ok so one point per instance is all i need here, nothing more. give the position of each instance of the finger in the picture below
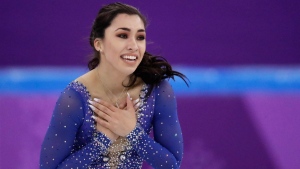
(136, 106)
(102, 122)
(129, 103)
(94, 103)
(122, 105)
(100, 113)
(101, 107)
(136, 101)
(105, 104)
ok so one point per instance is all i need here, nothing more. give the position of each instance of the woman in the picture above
(103, 118)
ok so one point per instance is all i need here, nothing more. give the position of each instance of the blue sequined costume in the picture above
(73, 142)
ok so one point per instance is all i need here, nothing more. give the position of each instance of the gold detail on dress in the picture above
(117, 152)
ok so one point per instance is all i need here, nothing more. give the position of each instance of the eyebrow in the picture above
(127, 29)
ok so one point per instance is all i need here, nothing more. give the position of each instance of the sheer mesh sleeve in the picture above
(166, 150)
(57, 148)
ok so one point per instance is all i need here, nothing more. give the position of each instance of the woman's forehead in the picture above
(132, 22)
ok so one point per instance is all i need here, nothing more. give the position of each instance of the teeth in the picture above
(129, 57)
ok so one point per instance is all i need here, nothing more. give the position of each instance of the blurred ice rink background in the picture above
(242, 109)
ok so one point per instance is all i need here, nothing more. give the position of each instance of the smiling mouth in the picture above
(129, 58)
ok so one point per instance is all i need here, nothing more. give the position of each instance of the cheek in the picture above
(142, 52)
(142, 47)
(110, 50)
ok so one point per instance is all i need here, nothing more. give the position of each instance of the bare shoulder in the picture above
(86, 79)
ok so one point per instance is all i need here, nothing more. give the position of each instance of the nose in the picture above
(132, 45)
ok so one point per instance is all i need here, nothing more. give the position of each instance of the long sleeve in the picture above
(58, 150)
(166, 150)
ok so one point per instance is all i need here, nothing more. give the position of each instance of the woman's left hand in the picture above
(119, 121)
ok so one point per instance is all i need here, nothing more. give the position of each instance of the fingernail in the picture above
(90, 101)
(138, 104)
(93, 117)
(92, 107)
(135, 101)
(97, 100)
(129, 96)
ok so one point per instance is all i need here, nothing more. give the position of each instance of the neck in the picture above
(113, 81)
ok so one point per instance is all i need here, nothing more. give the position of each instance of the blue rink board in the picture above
(203, 80)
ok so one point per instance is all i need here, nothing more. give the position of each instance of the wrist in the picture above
(102, 140)
(131, 129)
(113, 139)
(136, 134)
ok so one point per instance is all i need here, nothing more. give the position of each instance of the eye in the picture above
(141, 37)
(123, 36)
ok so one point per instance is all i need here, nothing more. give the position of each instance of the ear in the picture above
(98, 44)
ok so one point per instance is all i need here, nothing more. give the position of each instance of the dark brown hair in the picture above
(152, 69)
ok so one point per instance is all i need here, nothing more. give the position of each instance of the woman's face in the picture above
(124, 44)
